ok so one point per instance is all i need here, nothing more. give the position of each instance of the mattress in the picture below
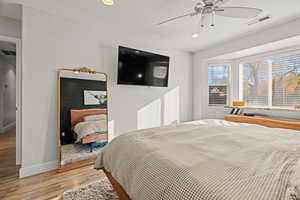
(209, 160)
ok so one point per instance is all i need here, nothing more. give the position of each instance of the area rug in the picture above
(77, 152)
(100, 190)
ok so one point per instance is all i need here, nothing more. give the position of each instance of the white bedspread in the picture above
(207, 160)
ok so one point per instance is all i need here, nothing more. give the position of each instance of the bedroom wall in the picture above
(200, 93)
(51, 42)
(10, 27)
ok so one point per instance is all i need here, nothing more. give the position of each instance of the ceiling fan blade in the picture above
(220, 2)
(179, 17)
(238, 12)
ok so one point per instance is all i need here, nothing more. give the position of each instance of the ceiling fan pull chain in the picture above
(213, 18)
(202, 19)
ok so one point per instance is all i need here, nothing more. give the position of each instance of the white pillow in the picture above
(94, 117)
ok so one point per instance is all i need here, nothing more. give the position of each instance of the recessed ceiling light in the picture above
(195, 35)
(108, 2)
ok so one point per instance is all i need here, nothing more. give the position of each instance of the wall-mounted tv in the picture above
(136, 67)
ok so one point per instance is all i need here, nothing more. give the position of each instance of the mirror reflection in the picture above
(83, 116)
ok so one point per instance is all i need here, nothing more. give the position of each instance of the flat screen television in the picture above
(136, 67)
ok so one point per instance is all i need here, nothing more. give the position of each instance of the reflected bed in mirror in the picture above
(83, 116)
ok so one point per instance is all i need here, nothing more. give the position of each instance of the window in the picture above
(255, 78)
(286, 80)
(271, 82)
(218, 84)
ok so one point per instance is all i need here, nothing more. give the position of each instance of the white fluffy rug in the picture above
(77, 152)
(100, 190)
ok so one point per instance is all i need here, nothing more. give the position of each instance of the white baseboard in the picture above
(26, 171)
(7, 127)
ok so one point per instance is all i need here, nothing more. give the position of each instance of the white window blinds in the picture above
(286, 80)
(271, 82)
(255, 82)
(218, 84)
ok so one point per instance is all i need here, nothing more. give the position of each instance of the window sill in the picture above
(271, 108)
(218, 105)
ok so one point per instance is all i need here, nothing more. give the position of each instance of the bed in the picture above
(88, 132)
(209, 160)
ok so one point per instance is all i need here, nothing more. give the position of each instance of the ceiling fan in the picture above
(213, 7)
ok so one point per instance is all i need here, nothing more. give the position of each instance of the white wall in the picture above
(51, 42)
(10, 27)
(7, 93)
(200, 86)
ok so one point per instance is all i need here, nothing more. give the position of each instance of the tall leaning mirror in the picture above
(82, 116)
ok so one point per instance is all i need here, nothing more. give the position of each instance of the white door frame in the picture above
(17, 41)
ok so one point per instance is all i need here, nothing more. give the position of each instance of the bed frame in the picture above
(268, 122)
(118, 188)
(77, 116)
(264, 121)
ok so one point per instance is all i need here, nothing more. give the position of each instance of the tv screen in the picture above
(137, 67)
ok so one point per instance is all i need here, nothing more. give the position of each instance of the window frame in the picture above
(268, 56)
(216, 63)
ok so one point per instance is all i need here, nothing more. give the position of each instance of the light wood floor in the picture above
(8, 168)
(49, 185)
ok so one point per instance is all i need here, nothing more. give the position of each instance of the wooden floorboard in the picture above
(8, 168)
(47, 186)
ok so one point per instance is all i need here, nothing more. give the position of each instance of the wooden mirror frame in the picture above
(86, 162)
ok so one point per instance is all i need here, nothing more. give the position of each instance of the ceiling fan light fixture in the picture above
(108, 2)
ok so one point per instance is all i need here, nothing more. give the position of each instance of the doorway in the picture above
(10, 115)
